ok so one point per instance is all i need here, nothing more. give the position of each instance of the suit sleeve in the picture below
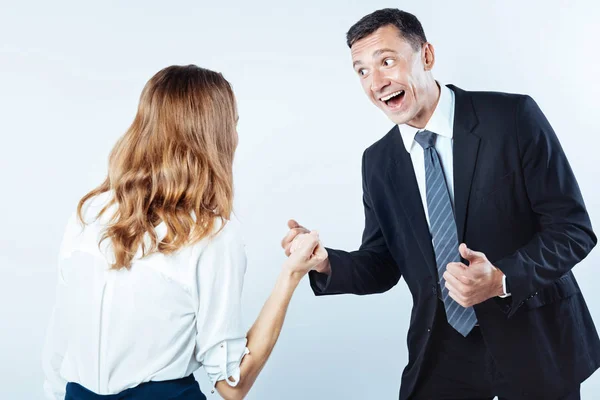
(565, 235)
(371, 269)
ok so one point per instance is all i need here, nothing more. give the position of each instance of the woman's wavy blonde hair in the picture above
(173, 165)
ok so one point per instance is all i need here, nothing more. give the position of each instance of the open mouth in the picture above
(393, 100)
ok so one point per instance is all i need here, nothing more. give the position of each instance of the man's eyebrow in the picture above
(376, 53)
(379, 52)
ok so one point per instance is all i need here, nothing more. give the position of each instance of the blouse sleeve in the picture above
(220, 335)
(55, 343)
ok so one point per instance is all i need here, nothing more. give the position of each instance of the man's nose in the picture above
(378, 81)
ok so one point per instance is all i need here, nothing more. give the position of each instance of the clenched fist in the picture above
(289, 245)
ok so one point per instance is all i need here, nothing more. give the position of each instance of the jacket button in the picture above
(434, 289)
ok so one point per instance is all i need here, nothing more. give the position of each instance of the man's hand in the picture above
(473, 284)
(295, 230)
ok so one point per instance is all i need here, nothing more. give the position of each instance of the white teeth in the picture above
(389, 96)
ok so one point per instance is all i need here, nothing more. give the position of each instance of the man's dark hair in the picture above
(409, 26)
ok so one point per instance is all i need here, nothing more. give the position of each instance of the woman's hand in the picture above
(306, 253)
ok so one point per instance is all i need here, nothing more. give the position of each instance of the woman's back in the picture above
(150, 280)
(157, 320)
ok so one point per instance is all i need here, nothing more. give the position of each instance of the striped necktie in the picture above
(443, 231)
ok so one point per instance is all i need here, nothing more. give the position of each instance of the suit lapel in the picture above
(406, 194)
(465, 150)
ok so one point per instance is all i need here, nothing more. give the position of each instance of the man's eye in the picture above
(362, 72)
(388, 62)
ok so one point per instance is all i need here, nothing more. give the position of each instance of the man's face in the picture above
(392, 73)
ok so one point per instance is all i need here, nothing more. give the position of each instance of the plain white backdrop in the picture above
(70, 78)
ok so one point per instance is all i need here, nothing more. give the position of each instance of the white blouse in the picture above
(162, 319)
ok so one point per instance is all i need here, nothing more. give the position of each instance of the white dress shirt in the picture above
(442, 124)
(162, 319)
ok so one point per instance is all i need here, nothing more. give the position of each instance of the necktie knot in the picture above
(426, 139)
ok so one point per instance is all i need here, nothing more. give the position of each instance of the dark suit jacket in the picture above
(516, 200)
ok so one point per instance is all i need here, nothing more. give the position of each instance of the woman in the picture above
(152, 264)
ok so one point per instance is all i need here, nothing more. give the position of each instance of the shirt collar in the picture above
(441, 121)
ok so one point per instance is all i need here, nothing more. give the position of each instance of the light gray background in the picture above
(70, 78)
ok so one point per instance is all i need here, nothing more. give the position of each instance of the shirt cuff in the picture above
(222, 361)
(506, 294)
(52, 392)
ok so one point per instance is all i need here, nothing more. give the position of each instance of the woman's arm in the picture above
(55, 346)
(264, 333)
(232, 357)
(262, 336)
(56, 339)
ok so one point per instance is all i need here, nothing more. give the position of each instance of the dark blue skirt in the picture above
(178, 389)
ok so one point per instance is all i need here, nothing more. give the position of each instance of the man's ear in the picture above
(428, 56)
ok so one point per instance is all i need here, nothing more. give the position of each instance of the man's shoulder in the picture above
(384, 144)
(491, 100)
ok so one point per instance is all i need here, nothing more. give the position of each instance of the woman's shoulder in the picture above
(226, 239)
(84, 236)
(92, 207)
(223, 250)
(227, 232)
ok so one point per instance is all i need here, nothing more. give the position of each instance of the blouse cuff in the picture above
(222, 361)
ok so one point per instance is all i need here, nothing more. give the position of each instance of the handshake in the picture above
(304, 250)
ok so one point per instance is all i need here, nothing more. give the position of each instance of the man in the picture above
(471, 199)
